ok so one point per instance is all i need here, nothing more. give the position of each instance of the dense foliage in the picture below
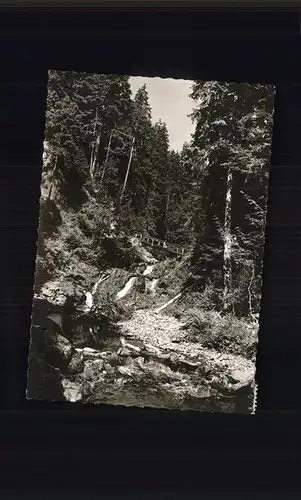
(144, 187)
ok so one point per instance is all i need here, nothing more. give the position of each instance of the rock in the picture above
(44, 382)
(89, 353)
(113, 359)
(92, 369)
(124, 352)
(241, 377)
(140, 361)
(214, 382)
(201, 392)
(125, 370)
(133, 347)
(134, 343)
(129, 361)
(76, 364)
(72, 391)
(119, 383)
(89, 350)
(151, 350)
(163, 356)
(174, 358)
(60, 351)
(57, 291)
(108, 368)
(191, 364)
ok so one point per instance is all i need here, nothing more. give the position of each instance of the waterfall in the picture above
(148, 269)
(127, 288)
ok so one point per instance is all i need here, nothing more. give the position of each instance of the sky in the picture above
(170, 101)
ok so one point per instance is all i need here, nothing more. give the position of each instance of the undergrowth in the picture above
(226, 334)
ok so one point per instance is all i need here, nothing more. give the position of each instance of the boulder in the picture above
(125, 370)
(92, 369)
(129, 361)
(133, 347)
(124, 352)
(56, 292)
(72, 390)
(113, 359)
(76, 364)
(108, 368)
(89, 353)
(200, 392)
(241, 377)
(140, 361)
(60, 351)
(44, 382)
(163, 356)
(174, 358)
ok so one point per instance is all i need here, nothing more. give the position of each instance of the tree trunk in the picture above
(107, 157)
(166, 211)
(94, 149)
(91, 161)
(128, 169)
(250, 292)
(227, 299)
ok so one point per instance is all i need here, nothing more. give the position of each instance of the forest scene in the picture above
(148, 277)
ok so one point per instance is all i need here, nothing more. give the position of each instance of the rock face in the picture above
(43, 379)
(60, 351)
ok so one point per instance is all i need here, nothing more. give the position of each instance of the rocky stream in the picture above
(143, 360)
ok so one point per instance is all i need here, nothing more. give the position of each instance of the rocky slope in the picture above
(116, 344)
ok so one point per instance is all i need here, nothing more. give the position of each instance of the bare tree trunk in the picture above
(91, 161)
(128, 168)
(94, 149)
(107, 157)
(53, 177)
(227, 299)
(166, 211)
(250, 291)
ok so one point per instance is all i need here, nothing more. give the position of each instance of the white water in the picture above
(89, 300)
(148, 269)
(150, 286)
(153, 285)
(90, 295)
(132, 280)
(127, 288)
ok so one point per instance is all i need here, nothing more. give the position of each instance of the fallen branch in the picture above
(101, 280)
(171, 301)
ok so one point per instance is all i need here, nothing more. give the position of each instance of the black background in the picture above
(78, 447)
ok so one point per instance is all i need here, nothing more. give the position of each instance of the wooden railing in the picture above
(165, 245)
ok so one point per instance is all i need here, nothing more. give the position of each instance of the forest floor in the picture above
(167, 333)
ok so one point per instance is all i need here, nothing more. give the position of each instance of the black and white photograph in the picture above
(150, 245)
